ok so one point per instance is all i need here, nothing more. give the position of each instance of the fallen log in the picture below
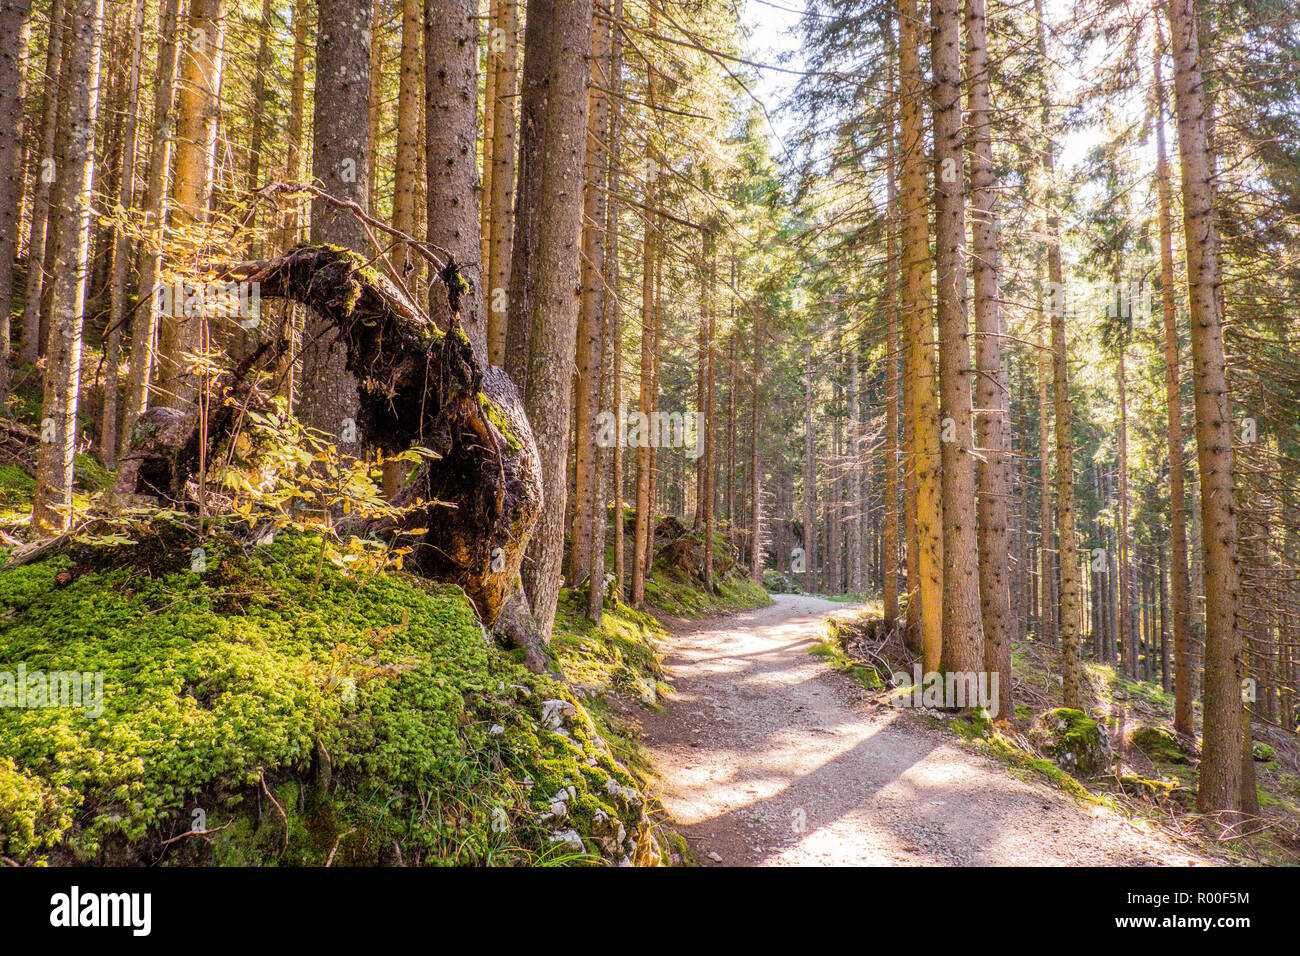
(419, 386)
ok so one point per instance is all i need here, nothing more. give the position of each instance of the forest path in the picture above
(768, 757)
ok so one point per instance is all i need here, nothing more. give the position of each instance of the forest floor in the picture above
(765, 756)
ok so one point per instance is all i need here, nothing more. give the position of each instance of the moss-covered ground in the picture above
(269, 709)
(260, 706)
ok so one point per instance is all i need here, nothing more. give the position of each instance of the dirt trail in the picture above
(768, 757)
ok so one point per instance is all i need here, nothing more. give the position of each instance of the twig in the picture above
(190, 833)
(270, 796)
(330, 861)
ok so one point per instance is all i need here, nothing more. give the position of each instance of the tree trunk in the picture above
(710, 266)
(340, 145)
(144, 329)
(1221, 762)
(14, 16)
(1124, 559)
(555, 316)
(755, 472)
(44, 210)
(1180, 611)
(963, 642)
(928, 590)
(52, 504)
(890, 544)
(643, 542)
(407, 167)
(198, 112)
(504, 56)
(374, 108)
(994, 473)
(591, 313)
(809, 475)
(613, 311)
(528, 183)
(451, 166)
(1067, 547)
(108, 433)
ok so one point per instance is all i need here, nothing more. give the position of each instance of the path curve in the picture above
(768, 757)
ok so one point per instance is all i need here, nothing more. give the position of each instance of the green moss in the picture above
(495, 416)
(681, 595)
(779, 583)
(977, 724)
(834, 655)
(372, 710)
(16, 486)
(1261, 751)
(619, 653)
(91, 475)
(1004, 749)
(1072, 739)
(1158, 744)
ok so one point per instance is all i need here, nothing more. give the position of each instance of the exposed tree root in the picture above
(419, 386)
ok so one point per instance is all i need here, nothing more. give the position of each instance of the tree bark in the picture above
(451, 165)
(528, 184)
(44, 211)
(52, 504)
(963, 640)
(108, 433)
(1221, 761)
(198, 112)
(927, 591)
(890, 544)
(340, 132)
(14, 23)
(1067, 546)
(994, 473)
(591, 314)
(144, 329)
(505, 62)
(555, 316)
(1180, 612)
(643, 542)
(809, 475)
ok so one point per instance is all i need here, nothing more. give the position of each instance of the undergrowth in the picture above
(270, 710)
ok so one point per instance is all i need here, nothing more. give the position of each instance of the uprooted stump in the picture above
(419, 386)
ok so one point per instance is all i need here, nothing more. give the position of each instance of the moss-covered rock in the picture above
(1073, 739)
(1158, 744)
(266, 709)
(1261, 751)
(779, 583)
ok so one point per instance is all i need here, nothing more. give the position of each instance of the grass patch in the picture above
(834, 655)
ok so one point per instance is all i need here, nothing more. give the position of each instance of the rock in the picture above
(555, 712)
(1158, 744)
(569, 839)
(1073, 739)
(1261, 751)
(714, 857)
